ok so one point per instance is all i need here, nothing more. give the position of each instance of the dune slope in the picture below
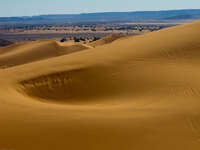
(138, 93)
(106, 40)
(19, 54)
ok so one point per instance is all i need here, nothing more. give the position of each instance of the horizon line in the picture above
(99, 12)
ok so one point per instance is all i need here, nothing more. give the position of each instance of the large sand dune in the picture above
(137, 93)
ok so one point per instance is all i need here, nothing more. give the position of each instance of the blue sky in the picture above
(36, 7)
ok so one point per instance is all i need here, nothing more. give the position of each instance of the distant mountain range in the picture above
(173, 15)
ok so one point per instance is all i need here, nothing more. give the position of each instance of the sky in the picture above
(36, 7)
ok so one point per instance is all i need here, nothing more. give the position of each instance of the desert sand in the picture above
(136, 93)
(22, 53)
(105, 40)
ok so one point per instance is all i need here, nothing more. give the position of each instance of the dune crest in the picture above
(106, 40)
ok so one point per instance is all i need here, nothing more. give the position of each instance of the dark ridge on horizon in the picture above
(161, 15)
(106, 12)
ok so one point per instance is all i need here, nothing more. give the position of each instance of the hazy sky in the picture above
(36, 7)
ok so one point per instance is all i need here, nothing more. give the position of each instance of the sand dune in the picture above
(138, 93)
(19, 54)
(106, 40)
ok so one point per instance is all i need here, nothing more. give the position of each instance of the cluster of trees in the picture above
(81, 39)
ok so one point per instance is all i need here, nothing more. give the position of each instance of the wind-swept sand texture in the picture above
(138, 93)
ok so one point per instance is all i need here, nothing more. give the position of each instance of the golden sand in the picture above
(137, 93)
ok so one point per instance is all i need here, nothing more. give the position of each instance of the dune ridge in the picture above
(106, 40)
(139, 92)
(19, 54)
